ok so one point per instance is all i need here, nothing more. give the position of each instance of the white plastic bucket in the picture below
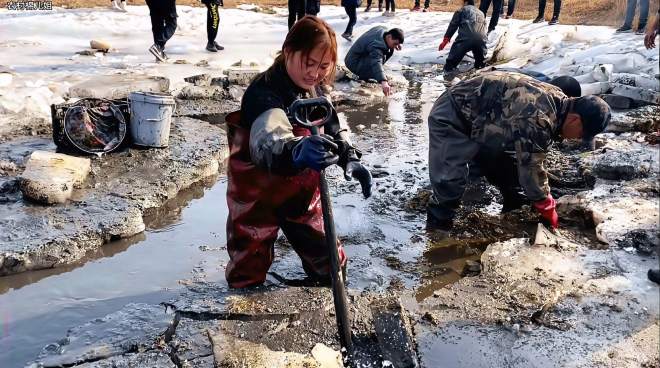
(151, 117)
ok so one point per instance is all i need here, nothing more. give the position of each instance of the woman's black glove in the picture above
(355, 169)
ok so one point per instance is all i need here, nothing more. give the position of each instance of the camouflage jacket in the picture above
(514, 112)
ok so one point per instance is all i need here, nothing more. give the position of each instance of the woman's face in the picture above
(307, 72)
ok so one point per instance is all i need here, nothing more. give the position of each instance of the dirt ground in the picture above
(597, 12)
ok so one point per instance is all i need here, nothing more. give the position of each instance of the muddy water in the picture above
(185, 241)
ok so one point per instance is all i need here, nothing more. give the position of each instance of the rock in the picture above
(149, 359)
(191, 339)
(231, 352)
(471, 268)
(240, 76)
(326, 357)
(118, 86)
(136, 327)
(199, 80)
(100, 45)
(636, 93)
(394, 333)
(596, 88)
(618, 102)
(644, 241)
(50, 177)
(546, 238)
(625, 164)
(202, 93)
(641, 119)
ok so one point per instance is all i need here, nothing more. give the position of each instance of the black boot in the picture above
(218, 47)
(553, 21)
(211, 47)
(538, 19)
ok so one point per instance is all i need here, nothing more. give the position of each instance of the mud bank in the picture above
(110, 205)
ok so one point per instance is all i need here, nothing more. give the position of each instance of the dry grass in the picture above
(594, 12)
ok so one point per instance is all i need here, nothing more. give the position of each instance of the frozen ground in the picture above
(582, 301)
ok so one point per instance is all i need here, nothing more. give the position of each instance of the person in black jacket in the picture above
(163, 25)
(471, 25)
(368, 54)
(212, 24)
(273, 169)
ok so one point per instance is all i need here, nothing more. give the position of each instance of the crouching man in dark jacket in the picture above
(368, 54)
(505, 122)
(471, 25)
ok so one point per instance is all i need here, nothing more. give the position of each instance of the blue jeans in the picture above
(630, 13)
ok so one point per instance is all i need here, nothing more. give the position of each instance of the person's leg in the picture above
(251, 235)
(500, 170)
(368, 6)
(388, 5)
(212, 22)
(484, 5)
(301, 9)
(450, 150)
(169, 18)
(456, 54)
(541, 10)
(643, 15)
(495, 16)
(556, 9)
(510, 8)
(427, 4)
(307, 237)
(352, 19)
(479, 52)
(292, 12)
(393, 5)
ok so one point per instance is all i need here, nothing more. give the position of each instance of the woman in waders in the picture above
(274, 165)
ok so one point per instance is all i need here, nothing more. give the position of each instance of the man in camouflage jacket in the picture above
(505, 122)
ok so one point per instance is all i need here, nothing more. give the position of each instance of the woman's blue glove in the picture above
(316, 152)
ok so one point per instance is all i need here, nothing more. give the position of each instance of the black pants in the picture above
(389, 5)
(497, 9)
(296, 11)
(352, 19)
(462, 47)
(163, 20)
(500, 168)
(511, 5)
(427, 3)
(555, 10)
(380, 4)
(212, 22)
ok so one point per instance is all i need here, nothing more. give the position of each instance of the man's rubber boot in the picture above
(538, 19)
(218, 46)
(654, 275)
(553, 21)
(348, 37)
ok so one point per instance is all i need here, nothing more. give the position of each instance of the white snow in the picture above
(41, 46)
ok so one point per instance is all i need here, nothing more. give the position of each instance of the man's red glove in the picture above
(547, 210)
(444, 43)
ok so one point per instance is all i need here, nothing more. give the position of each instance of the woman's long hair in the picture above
(305, 36)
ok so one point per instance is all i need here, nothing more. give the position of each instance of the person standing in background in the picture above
(350, 6)
(163, 25)
(297, 10)
(630, 16)
(555, 12)
(390, 8)
(212, 24)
